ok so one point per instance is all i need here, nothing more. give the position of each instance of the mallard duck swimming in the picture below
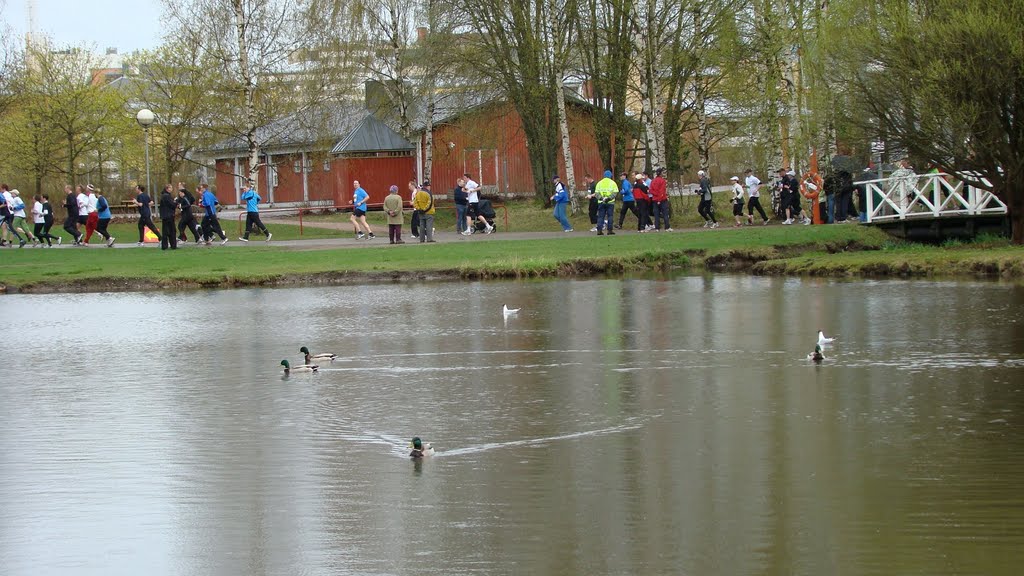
(298, 369)
(816, 356)
(320, 357)
(420, 449)
(822, 340)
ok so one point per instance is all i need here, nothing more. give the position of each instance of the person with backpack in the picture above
(423, 203)
(103, 216)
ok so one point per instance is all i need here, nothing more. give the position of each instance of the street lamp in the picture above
(145, 118)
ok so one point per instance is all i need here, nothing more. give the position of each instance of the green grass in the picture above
(804, 250)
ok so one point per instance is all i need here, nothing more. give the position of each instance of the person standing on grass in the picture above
(706, 207)
(628, 200)
(252, 213)
(754, 197)
(605, 191)
(737, 200)
(592, 204)
(461, 205)
(424, 204)
(643, 203)
(71, 220)
(144, 203)
(188, 220)
(561, 200)
(103, 216)
(211, 223)
(359, 201)
(166, 208)
(393, 209)
(414, 220)
(92, 218)
(658, 190)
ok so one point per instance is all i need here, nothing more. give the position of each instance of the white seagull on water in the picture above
(506, 311)
(822, 340)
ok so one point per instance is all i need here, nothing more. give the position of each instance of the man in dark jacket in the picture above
(71, 220)
(185, 202)
(167, 206)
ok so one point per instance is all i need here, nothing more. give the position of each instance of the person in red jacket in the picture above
(643, 203)
(659, 200)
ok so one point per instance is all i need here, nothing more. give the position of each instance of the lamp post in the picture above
(145, 118)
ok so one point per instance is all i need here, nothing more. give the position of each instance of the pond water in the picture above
(613, 426)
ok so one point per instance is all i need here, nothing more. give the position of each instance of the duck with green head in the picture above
(298, 369)
(816, 356)
(420, 448)
(324, 357)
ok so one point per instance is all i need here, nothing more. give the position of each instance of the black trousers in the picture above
(188, 221)
(252, 219)
(843, 206)
(643, 214)
(45, 229)
(101, 228)
(593, 210)
(71, 227)
(628, 206)
(706, 210)
(210, 225)
(147, 222)
(755, 204)
(168, 237)
(414, 224)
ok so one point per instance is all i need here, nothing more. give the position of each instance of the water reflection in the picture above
(610, 427)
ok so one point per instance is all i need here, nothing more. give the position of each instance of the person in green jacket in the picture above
(606, 191)
(393, 209)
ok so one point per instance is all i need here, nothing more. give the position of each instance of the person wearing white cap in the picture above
(92, 216)
(737, 200)
(705, 208)
(753, 197)
(17, 207)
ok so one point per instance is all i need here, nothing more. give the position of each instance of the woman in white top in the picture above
(737, 201)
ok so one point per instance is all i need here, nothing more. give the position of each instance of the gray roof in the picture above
(372, 135)
(347, 126)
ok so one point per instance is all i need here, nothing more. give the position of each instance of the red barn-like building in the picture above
(309, 165)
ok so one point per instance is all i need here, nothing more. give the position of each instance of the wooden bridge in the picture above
(934, 207)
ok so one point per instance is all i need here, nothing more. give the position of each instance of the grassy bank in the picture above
(807, 250)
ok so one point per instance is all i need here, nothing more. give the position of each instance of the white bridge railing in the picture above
(927, 196)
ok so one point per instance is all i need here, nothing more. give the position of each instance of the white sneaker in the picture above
(59, 240)
(807, 221)
(787, 221)
(110, 243)
(223, 242)
(269, 236)
(490, 229)
(766, 222)
(714, 224)
(668, 230)
(242, 239)
(594, 229)
(569, 230)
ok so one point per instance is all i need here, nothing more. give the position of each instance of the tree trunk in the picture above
(563, 126)
(248, 93)
(428, 155)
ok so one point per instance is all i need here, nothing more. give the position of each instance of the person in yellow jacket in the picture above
(423, 204)
(393, 209)
(606, 191)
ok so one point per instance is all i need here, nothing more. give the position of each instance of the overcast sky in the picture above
(123, 24)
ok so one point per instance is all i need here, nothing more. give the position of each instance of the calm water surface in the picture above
(612, 427)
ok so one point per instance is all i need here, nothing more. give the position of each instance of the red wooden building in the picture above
(305, 163)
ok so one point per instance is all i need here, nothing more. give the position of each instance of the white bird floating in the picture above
(822, 340)
(506, 311)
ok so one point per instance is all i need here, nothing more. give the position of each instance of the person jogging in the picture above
(185, 202)
(103, 217)
(358, 218)
(210, 222)
(706, 207)
(144, 203)
(92, 215)
(18, 213)
(737, 201)
(71, 219)
(754, 197)
(252, 213)
(166, 208)
(47, 212)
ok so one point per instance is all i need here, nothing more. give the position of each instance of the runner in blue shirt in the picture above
(252, 213)
(210, 223)
(628, 201)
(359, 200)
